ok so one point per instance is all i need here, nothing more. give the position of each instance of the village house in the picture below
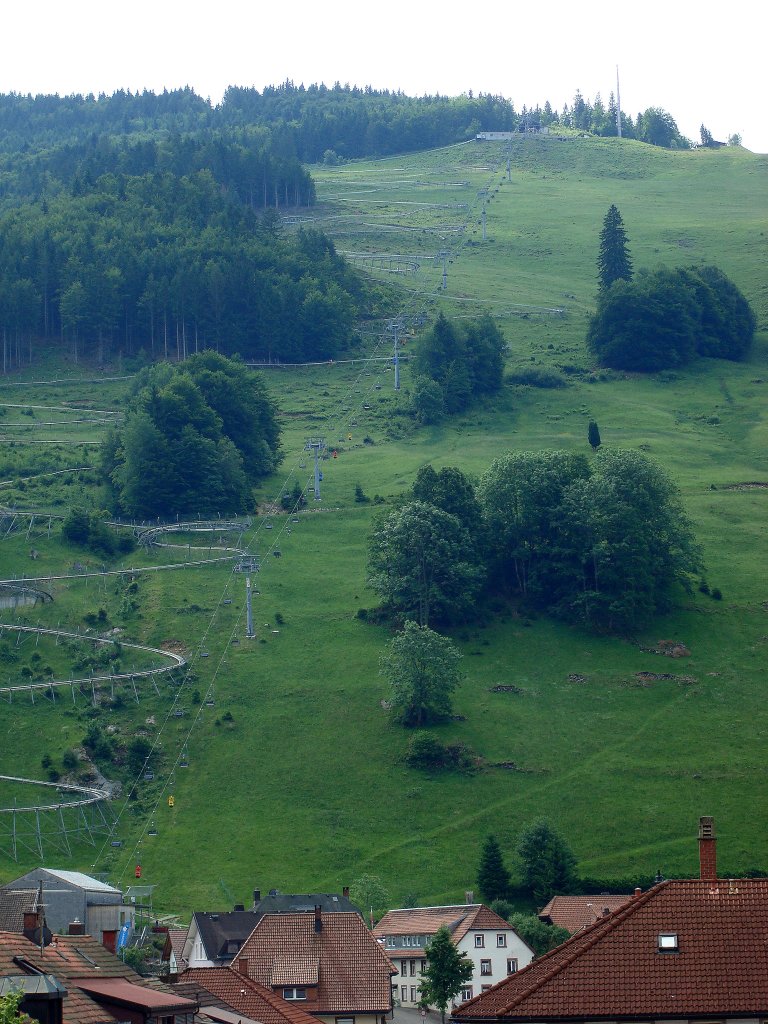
(688, 951)
(576, 912)
(225, 989)
(490, 942)
(328, 964)
(215, 937)
(73, 979)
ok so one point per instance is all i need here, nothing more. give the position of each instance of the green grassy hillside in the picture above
(296, 777)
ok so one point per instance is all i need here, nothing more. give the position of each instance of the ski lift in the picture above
(268, 525)
(149, 776)
(366, 406)
(210, 702)
(183, 761)
(235, 640)
(151, 831)
(179, 713)
(116, 842)
(294, 519)
(277, 553)
(204, 654)
(303, 464)
(227, 600)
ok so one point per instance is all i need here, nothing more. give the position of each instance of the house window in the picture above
(414, 996)
(390, 941)
(486, 988)
(404, 968)
(501, 941)
(466, 993)
(404, 993)
(407, 940)
(345, 1020)
(479, 941)
(668, 943)
(413, 968)
(511, 966)
(485, 967)
(422, 965)
(294, 993)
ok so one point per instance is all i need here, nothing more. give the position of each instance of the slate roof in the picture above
(294, 903)
(613, 969)
(458, 920)
(352, 969)
(575, 912)
(223, 933)
(14, 903)
(245, 995)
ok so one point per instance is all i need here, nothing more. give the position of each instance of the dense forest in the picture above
(150, 224)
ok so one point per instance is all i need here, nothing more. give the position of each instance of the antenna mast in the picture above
(618, 104)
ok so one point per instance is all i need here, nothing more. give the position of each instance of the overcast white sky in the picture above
(701, 61)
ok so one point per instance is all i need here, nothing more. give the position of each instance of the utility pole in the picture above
(443, 255)
(483, 194)
(316, 445)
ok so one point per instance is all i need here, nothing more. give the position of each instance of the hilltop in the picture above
(295, 775)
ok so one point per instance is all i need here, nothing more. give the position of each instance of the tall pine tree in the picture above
(492, 876)
(613, 262)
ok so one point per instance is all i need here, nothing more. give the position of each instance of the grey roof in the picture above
(295, 903)
(224, 932)
(76, 879)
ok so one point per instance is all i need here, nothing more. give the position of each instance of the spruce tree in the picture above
(492, 876)
(593, 435)
(613, 262)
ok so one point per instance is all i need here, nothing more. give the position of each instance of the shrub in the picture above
(534, 377)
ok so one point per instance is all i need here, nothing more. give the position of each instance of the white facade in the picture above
(495, 952)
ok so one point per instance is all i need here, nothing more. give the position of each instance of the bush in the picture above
(534, 377)
(429, 754)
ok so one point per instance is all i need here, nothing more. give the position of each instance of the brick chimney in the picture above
(256, 896)
(345, 892)
(707, 850)
(469, 897)
(318, 918)
(76, 928)
(30, 920)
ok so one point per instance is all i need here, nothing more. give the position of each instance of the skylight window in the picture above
(668, 942)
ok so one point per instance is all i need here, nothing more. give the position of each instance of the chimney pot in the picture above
(469, 897)
(638, 891)
(707, 850)
(345, 892)
(318, 918)
(257, 895)
(75, 928)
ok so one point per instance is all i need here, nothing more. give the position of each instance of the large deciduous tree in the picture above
(421, 564)
(422, 669)
(447, 970)
(548, 863)
(613, 262)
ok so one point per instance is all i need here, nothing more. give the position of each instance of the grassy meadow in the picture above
(296, 777)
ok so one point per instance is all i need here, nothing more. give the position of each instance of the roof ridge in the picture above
(583, 940)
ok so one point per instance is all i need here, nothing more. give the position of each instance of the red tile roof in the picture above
(575, 912)
(244, 995)
(614, 970)
(353, 971)
(458, 919)
(125, 992)
(71, 958)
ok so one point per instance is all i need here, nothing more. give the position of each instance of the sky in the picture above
(702, 62)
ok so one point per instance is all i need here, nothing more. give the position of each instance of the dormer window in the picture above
(668, 942)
